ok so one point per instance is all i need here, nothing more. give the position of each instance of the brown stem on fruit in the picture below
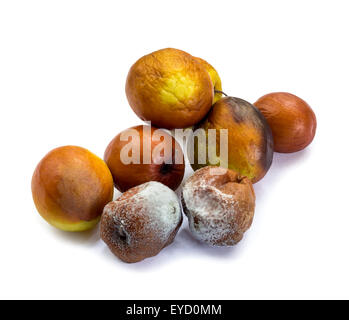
(218, 91)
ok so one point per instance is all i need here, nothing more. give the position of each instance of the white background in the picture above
(63, 66)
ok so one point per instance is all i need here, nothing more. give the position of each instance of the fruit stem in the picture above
(218, 91)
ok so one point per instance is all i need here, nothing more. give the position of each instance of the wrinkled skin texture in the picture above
(132, 226)
(220, 207)
(170, 88)
(70, 187)
(250, 141)
(292, 121)
(130, 175)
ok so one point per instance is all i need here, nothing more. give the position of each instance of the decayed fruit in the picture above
(219, 204)
(249, 139)
(70, 188)
(141, 222)
(292, 121)
(159, 159)
(170, 88)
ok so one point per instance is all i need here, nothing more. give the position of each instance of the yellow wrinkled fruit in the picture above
(170, 88)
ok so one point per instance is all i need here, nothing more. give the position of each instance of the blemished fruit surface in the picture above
(216, 80)
(70, 187)
(249, 139)
(291, 119)
(170, 88)
(141, 222)
(159, 159)
(219, 204)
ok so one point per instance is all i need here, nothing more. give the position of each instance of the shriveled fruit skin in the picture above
(291, 119)
(219, 204)
(141, 222)
(170, 88)
(250, 141)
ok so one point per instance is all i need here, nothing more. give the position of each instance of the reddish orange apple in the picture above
(144, 153)
(291, 119)
(70, 188)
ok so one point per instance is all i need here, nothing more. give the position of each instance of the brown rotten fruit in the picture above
(249, 139)
(141, 222)
(219, 204)
(144, 153)
(170, 88)
(291, 120)
(70, 188)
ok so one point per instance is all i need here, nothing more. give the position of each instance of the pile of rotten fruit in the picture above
(73, 188)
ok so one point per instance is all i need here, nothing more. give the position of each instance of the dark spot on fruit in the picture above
(166, 168)
(239, 179)
(120, 234)
(233, 108)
